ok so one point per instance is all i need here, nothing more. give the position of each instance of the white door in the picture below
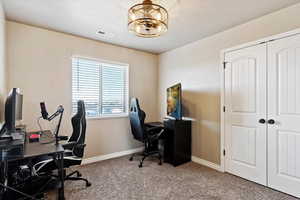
(245, 103)
(284, 109)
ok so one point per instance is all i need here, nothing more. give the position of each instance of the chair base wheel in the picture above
(88, 184)
(79, 175)
(160, 163)
(131, 159)
(140, 165)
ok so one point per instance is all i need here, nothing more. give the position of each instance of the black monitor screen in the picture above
(19, 106)
(13, 109)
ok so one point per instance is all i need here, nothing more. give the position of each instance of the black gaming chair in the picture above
(148, 135)
(74, 149)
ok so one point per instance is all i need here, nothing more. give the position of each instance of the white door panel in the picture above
(284, 108)
(245, 101)
(244, 137)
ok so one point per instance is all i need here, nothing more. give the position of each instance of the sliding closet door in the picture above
(245, 102)
(284, 115)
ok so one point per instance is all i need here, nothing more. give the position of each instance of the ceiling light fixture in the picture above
(147, 19)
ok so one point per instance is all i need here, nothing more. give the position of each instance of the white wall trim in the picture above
(223, 102)
(207, 163)
(264, 40)
(222, 113)
(131, 151)
(111, 155)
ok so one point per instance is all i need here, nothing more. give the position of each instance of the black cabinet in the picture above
(177, 141)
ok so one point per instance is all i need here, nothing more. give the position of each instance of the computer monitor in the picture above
(174, 102)
(13, 110)
(19, 107)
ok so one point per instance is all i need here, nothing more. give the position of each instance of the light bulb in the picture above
(132, 17)
(159, 28)
(158, 16)
(137, 29)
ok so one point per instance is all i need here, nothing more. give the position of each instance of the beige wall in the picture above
(43, 72)
(2, 63)
(197, 67)
(39, 63)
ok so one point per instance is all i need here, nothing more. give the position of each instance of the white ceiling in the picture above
(190, 20)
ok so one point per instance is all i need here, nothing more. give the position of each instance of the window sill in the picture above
(108, 117)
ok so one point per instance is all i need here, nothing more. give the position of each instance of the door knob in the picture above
(262, 121)
(271, 121)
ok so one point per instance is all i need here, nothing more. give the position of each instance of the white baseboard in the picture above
(207, 163)
(110, 156)
(131, 151)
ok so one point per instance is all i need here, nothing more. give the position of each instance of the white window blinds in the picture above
(102, 86)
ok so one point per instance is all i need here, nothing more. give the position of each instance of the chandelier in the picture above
(147, 19)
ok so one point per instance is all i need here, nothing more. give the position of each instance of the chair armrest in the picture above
(69, 145)
(154, 133)
(153, 128)
(81, 146)
(154, 124)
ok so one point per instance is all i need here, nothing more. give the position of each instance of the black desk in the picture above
(177, 139)
(37, 149)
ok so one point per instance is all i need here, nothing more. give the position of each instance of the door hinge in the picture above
(224, 152)
(224, 65)
(224, 109)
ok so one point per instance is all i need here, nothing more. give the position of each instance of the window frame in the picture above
(104, 116)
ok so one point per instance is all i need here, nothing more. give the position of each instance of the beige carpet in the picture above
(120, 179)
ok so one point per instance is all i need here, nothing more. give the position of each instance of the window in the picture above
(102, 86)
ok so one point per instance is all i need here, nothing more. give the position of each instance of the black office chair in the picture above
(74, 149)
(149, 135)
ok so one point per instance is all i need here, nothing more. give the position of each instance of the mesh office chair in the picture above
(149, 135)
(74, 149)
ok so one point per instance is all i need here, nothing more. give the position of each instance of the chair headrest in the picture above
(134, 105)
(81, 107)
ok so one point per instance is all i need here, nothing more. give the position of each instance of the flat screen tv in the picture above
(174, 102)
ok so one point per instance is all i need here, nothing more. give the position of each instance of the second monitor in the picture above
(13, 112)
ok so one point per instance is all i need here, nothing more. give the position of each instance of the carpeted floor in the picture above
(120, 179)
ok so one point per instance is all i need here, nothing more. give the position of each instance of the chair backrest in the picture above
(79, 129)
(137, 119)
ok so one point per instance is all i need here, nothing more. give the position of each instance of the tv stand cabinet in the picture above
(177, 143)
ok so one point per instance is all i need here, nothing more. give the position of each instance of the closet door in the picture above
(245, 116)
(284, 115)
